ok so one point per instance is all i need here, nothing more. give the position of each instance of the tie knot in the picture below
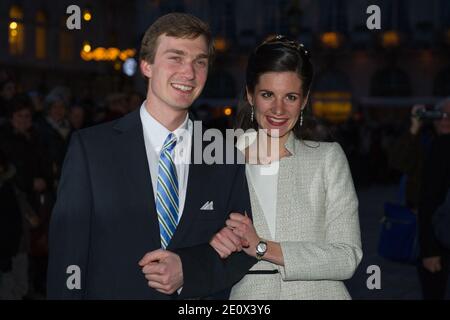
(170, 142)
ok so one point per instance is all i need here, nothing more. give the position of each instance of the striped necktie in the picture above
(167, 192)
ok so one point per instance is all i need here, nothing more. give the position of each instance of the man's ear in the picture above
(249, 96)
(146, 69)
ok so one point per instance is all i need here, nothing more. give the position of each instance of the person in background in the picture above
(117, 106)
(22, 143)
(13, 283)
(435, 259)
(135, 100)
(7, 91)
(407, 154)
(77, 117)
(54, 130)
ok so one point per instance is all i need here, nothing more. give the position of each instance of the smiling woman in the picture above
(288, 61)
(305, 227)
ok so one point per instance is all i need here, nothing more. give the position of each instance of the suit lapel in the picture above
(133, 158)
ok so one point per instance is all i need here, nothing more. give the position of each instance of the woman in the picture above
(305, 229)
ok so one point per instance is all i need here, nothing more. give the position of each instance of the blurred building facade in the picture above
(39, 49)
(408, 57)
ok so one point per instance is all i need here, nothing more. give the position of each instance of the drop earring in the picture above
(301, 118)
(252, 116)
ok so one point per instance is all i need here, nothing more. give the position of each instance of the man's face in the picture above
(22, 120)
(178, 74)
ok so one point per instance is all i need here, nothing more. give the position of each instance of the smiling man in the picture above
(133, 214)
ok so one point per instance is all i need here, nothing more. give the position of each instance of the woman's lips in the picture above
(276, 122)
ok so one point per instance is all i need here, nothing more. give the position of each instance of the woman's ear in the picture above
(249, 96)
(305, 101)
(146, 69)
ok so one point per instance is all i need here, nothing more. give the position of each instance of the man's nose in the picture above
(188, 70)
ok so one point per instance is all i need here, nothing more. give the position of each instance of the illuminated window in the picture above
(334, 106)
(66, 43)
(390, 39)
(41, 35)
(332, 96)
(331, 39)
(16, 36)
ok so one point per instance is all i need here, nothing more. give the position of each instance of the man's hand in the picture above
(432, 264)
(163, 270)
(242, 226)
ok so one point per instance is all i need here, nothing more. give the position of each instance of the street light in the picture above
(87, 16)
(330, 39)
(87, 47)
(390, 39)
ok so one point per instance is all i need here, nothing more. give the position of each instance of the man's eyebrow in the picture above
(202, 56)
(180, 52)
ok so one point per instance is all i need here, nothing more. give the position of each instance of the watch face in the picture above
(262, 247)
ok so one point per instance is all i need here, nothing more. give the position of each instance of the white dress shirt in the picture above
(266, 188)
(264, 180)
(154, 136)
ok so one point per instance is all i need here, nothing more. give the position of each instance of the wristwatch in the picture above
(261, 249)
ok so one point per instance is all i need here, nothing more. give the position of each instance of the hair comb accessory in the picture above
(283, 40)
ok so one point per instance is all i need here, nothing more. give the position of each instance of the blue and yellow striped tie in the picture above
(167, 192)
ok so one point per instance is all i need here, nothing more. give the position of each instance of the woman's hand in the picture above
(225, 242)
(242, 226)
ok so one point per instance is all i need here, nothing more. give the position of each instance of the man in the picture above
(132, 220)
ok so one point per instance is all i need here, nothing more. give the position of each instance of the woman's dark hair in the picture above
(278, 54)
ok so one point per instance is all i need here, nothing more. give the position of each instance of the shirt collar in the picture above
(248, 138)
(156, 132)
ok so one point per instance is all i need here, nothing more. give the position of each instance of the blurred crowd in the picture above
(35, 128)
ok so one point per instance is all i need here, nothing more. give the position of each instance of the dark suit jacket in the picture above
(105, 219)
(435, 185)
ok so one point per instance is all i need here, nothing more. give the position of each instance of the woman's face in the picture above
(278, 100)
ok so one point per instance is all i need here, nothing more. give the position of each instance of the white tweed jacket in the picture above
(317, 226)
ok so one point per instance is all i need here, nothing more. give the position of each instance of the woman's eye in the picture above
(292, 98)
(266, 94)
